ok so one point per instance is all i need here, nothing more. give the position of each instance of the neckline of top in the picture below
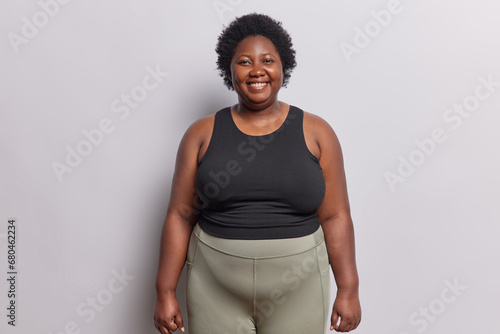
(268, 134)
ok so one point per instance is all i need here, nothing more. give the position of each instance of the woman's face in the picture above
(257, 72)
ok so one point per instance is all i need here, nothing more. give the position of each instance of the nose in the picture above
(257, 70)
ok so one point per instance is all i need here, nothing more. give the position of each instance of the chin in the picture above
(259, 101)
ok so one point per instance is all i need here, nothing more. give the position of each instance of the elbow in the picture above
(335, 219)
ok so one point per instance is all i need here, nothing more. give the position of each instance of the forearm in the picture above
(339, 238)
(174, 244)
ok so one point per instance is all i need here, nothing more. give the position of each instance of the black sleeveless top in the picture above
(259, 187)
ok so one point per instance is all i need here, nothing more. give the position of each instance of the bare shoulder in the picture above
(201, 128)
(321, 131)
(313, 120)
(197, 137)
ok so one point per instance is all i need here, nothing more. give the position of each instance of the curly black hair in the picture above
(252, 25)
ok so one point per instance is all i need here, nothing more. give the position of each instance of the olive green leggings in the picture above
(271, 286)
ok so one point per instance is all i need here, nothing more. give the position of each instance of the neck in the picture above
(247, 110)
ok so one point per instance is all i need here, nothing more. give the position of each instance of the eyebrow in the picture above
(264, 54)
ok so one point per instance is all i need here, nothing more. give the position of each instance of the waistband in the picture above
(262, 248)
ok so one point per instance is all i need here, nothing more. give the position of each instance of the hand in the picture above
(348, 309)
(167, 315)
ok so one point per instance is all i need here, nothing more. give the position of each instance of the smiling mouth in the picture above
(258, 84)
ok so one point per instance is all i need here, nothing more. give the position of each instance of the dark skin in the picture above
(257, 76)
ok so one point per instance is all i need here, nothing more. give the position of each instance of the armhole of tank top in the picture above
(303, 140)
(210, 143)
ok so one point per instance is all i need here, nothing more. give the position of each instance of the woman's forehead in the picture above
(255, 44)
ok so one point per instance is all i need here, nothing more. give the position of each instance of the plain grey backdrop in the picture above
(96, 95)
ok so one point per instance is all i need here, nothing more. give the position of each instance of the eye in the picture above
(269, 61)
(243, 62)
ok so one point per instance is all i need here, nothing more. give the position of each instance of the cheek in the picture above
(233, 74)
(278, 74)
(278, 71)
(239, 77)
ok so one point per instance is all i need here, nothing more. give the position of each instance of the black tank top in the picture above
(259, 187)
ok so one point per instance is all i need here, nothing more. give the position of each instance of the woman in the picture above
(259, 208)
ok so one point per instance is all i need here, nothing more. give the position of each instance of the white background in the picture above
(105, 216)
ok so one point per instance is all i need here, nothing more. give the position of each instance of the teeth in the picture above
(258, 84)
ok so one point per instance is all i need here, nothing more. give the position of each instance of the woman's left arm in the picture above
(335, 218)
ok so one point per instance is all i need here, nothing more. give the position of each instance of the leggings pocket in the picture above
(324, 277)
(191, 253)
(323, 261)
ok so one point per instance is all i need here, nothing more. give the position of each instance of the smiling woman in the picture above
(254, 25)
(256, 71)
(272, 183)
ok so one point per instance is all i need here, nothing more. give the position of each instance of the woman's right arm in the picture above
(180, 220)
